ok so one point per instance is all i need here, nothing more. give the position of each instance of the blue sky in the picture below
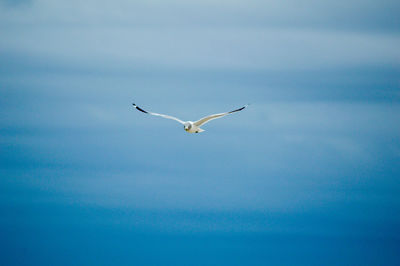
(308, 174)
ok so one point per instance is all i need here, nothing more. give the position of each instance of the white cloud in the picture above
(203, 48)
(179, 34)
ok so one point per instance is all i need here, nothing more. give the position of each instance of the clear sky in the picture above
(307, 175)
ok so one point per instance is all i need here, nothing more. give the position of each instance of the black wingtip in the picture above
(140, 109)
(240, 109)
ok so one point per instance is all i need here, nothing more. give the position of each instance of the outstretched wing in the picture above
(215, 116)
(150, 113)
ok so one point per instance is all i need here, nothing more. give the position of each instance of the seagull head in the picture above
(187, 126)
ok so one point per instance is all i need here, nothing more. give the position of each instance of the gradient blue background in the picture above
(307, 175)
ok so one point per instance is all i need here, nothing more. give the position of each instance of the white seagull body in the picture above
(189, 126)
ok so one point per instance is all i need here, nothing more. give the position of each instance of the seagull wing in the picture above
(215, 116)
(165, 116)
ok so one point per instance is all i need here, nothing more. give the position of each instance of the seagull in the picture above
(189, 126)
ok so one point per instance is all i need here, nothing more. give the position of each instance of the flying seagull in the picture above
(189, 126)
